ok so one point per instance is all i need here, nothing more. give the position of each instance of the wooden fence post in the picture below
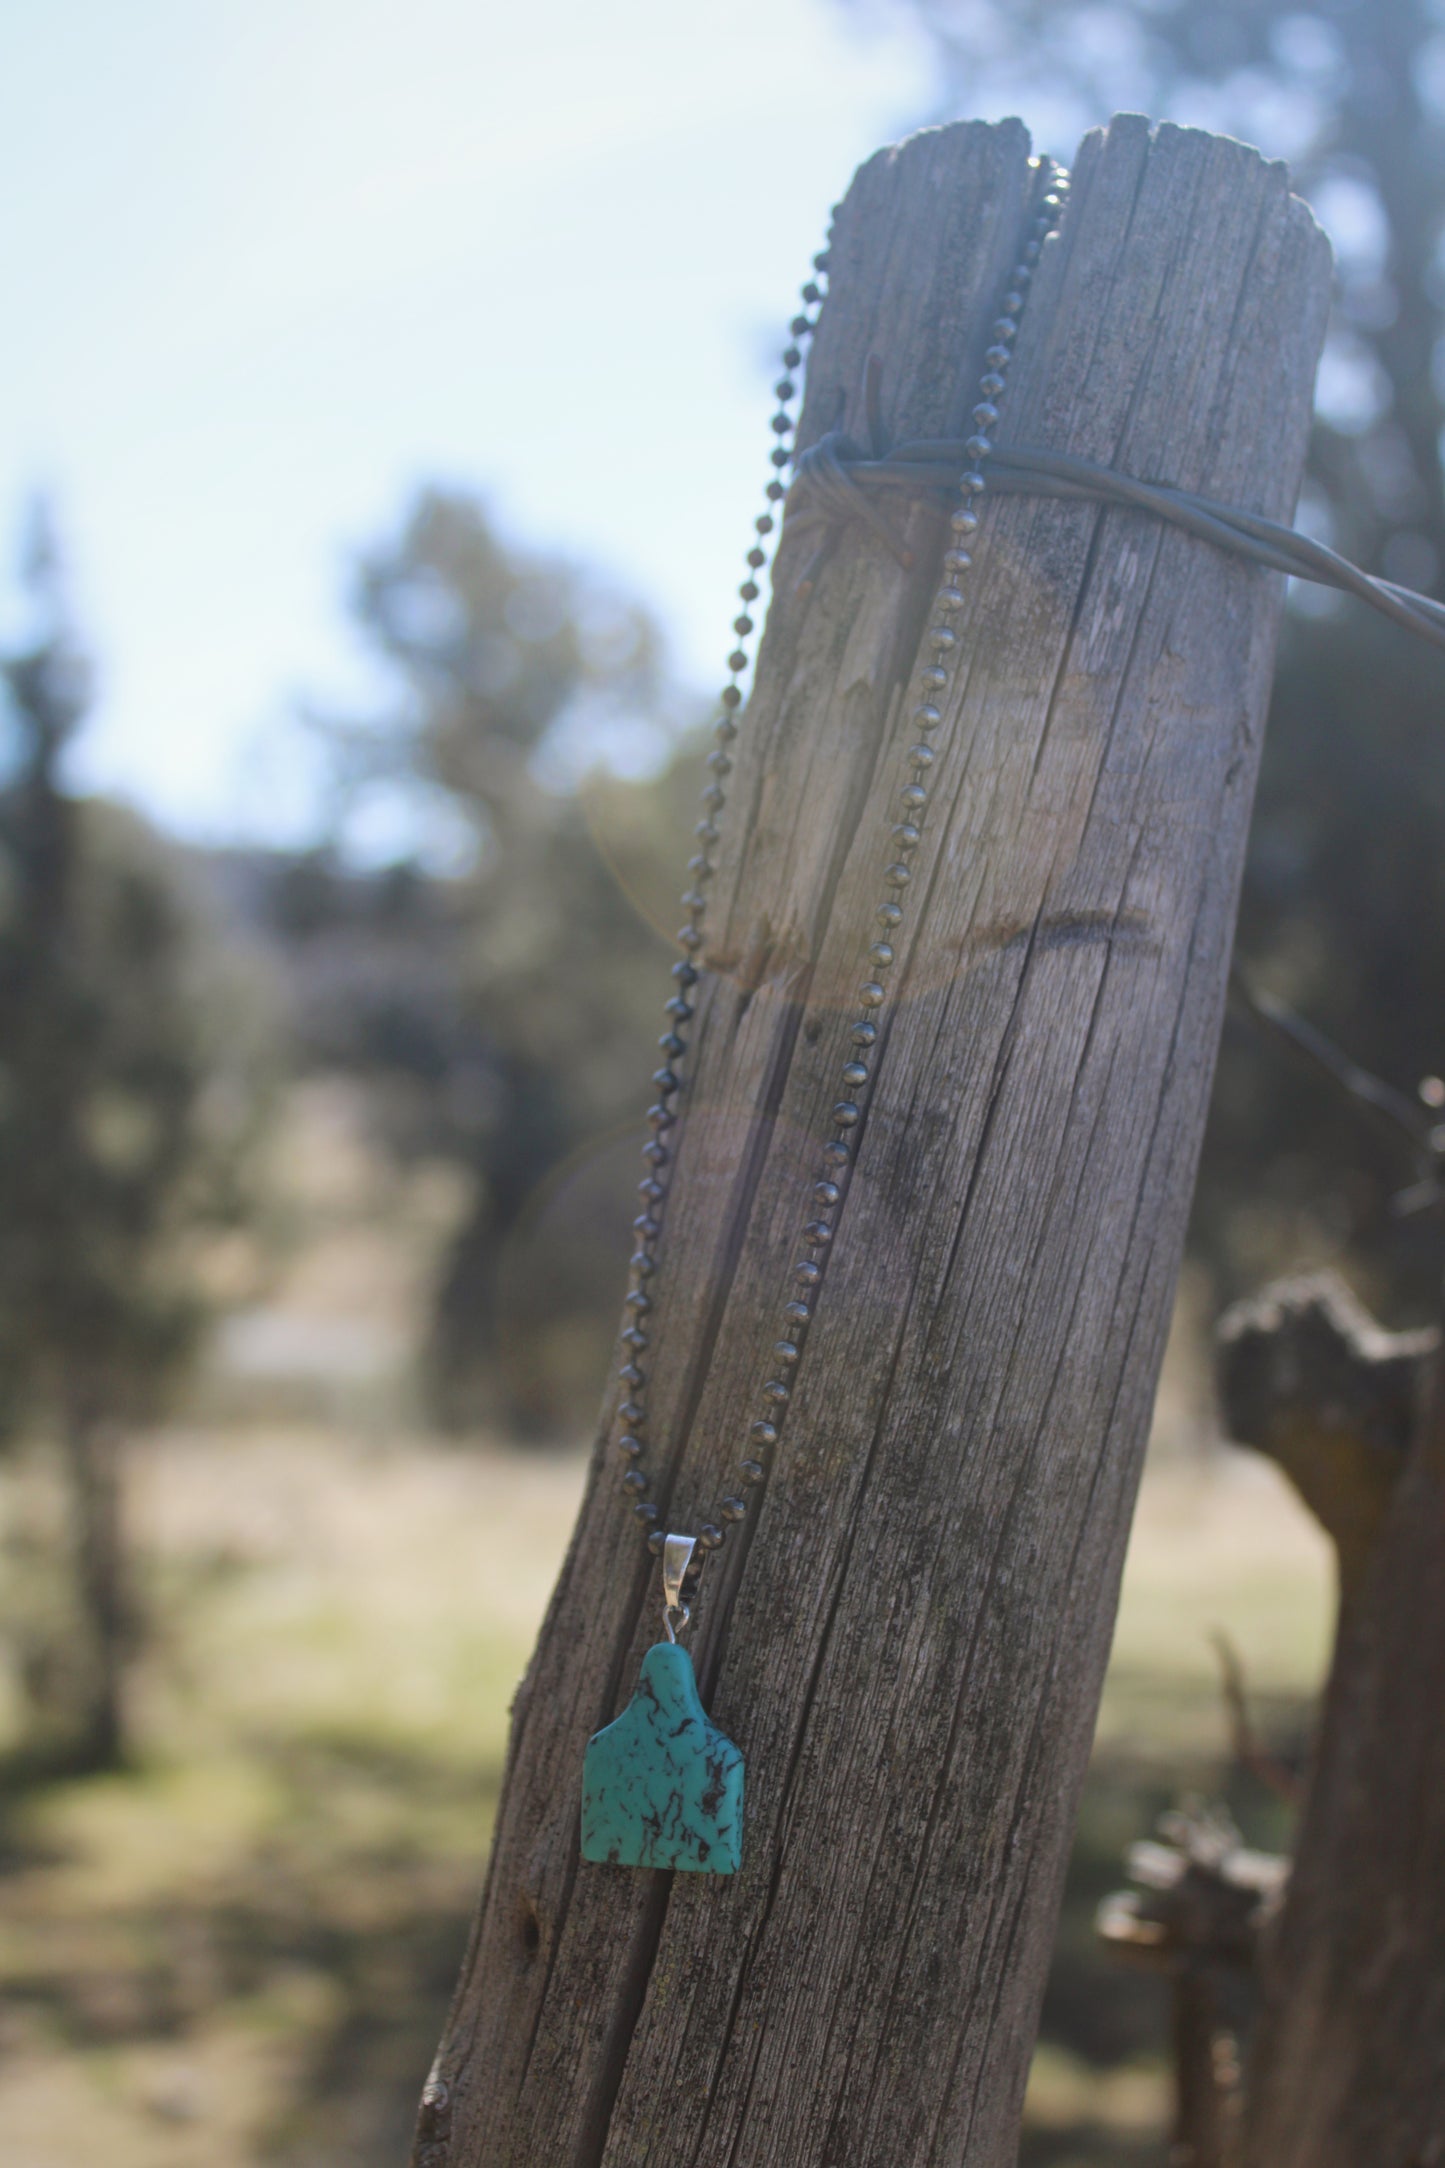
(909, 1643)
(1346, 2069)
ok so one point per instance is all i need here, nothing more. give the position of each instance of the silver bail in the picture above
(676, 1558)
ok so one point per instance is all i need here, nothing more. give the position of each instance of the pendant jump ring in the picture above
(684, 1612)
(676, 1558)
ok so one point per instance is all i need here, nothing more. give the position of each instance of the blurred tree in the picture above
(1343, 909)
(1353, 94)
(508, 1001)
(123, 1121)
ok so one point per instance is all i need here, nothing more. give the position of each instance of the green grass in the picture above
(239, 1952)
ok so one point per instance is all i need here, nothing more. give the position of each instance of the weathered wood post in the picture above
(1347, 2069)
(909, 1644)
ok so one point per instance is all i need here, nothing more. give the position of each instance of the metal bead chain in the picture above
(631, 1414)
(905, 837)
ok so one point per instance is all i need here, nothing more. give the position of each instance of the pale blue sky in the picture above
(268, 264)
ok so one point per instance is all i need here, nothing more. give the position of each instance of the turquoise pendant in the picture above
(662, 1786)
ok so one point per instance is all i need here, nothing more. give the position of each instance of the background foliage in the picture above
(382, 1106)
(1341, 909)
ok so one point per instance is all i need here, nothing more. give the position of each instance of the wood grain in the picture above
(909, 1644)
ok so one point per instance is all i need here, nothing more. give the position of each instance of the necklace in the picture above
(662, 1786)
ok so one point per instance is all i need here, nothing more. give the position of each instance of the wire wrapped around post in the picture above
(836, 481)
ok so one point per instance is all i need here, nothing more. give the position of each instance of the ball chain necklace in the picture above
(662, 1786)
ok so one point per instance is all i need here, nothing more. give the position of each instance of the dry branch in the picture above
(1307, 1377)
(1347, 2069)
(1196, 1914)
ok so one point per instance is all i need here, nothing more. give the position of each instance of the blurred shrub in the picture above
(501, 989)
(130, 1060)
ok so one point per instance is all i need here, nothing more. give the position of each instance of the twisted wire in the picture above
(834, 482)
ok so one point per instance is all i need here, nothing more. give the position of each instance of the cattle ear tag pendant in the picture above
(662, 1786)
